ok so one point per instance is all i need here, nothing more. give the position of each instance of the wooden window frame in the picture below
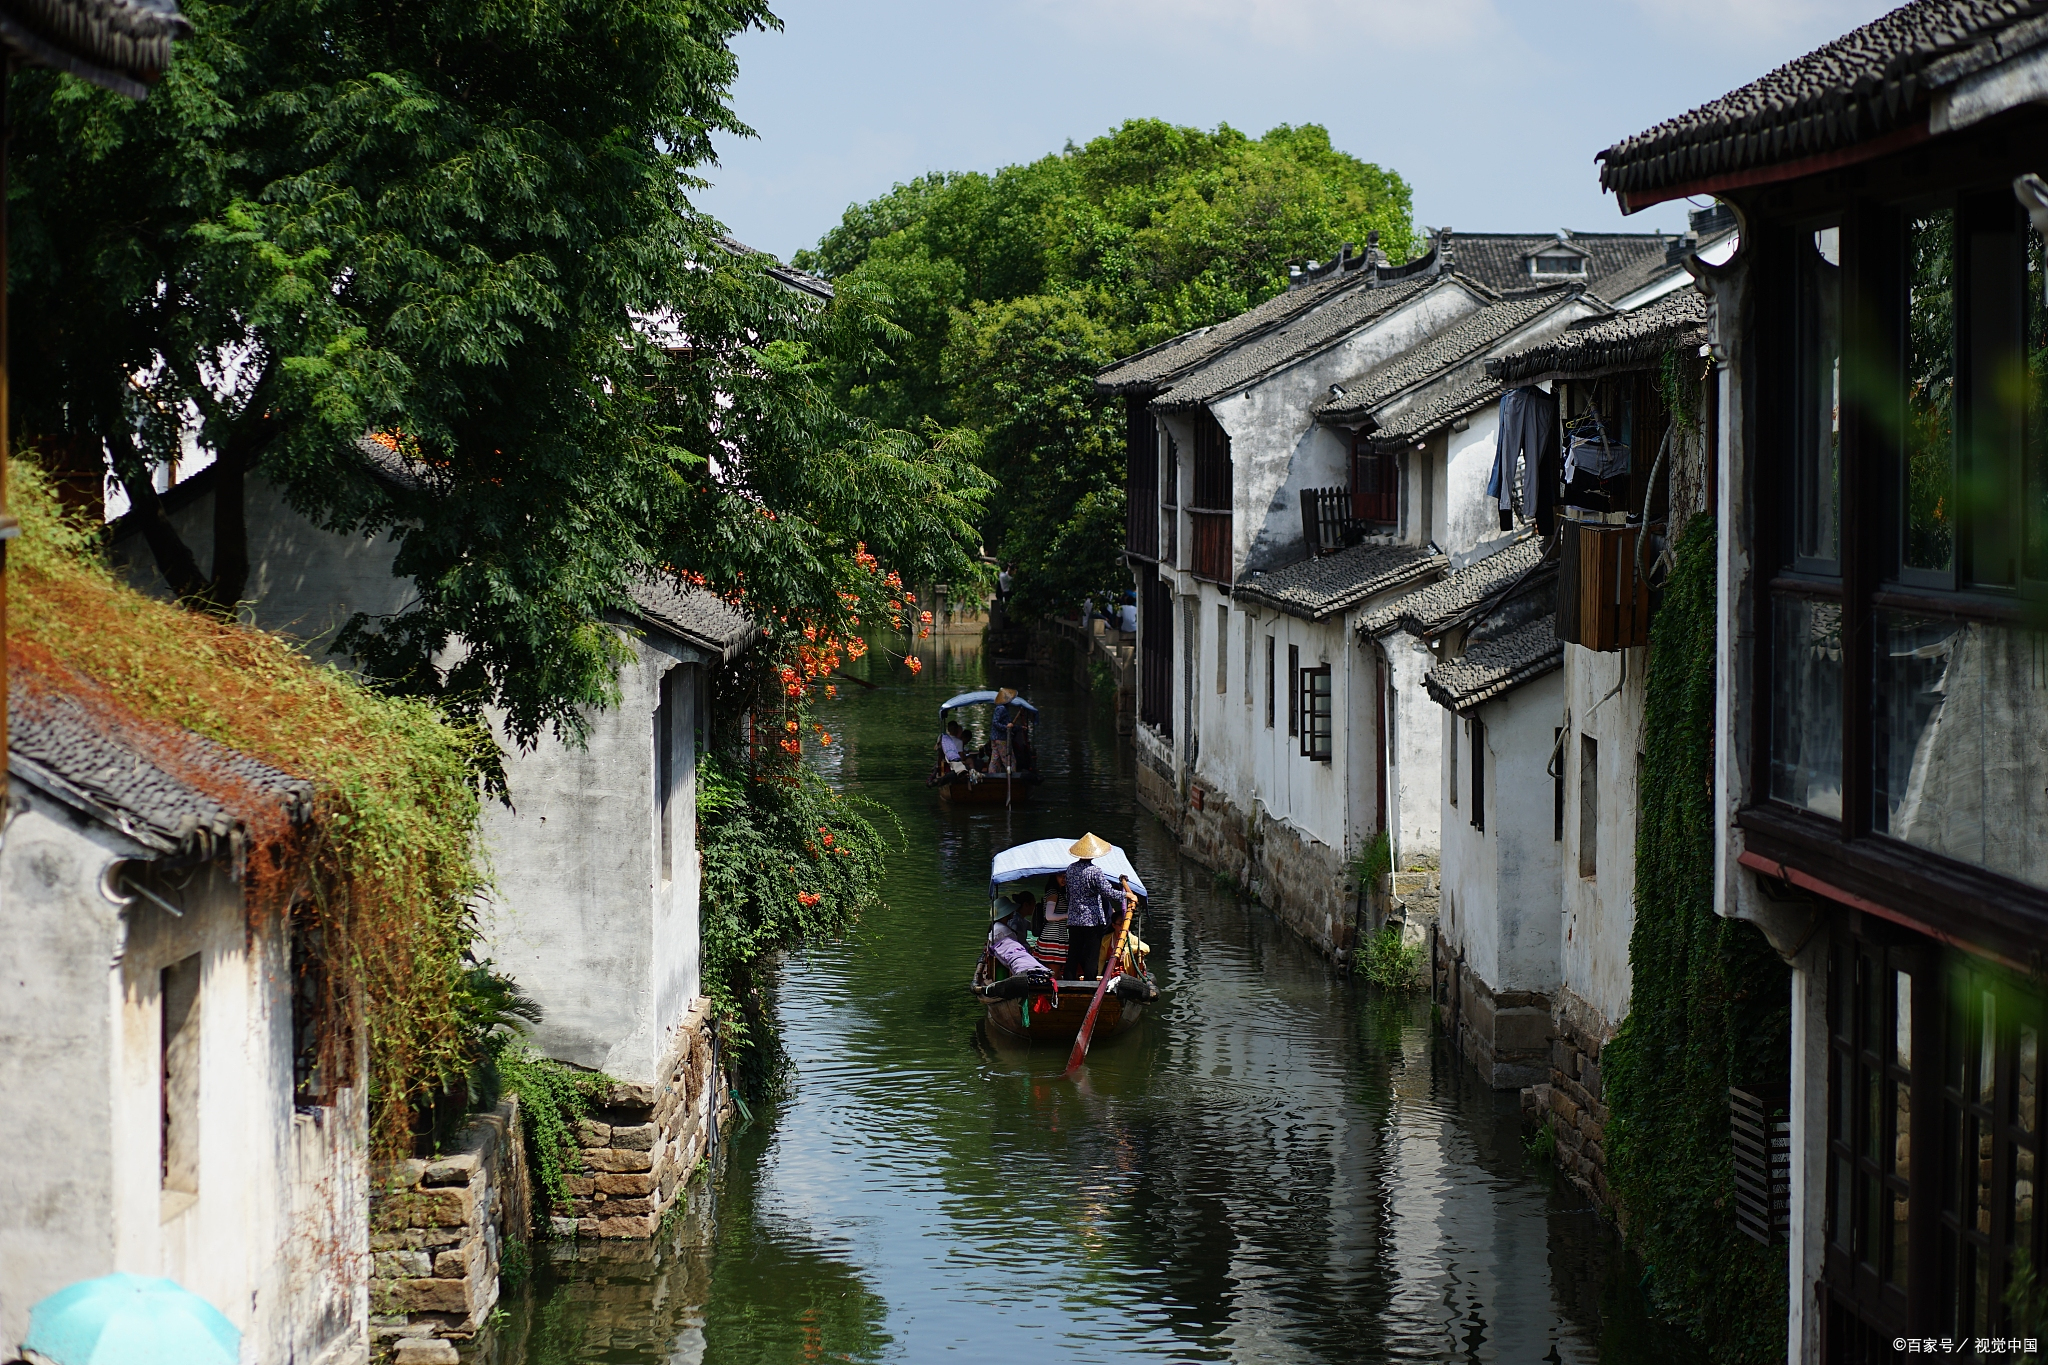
(1318, 723)
(1293, 690)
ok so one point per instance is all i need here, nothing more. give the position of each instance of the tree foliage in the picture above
(467, 228)
(1012, 289)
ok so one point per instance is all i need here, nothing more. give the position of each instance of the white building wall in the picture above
(276, 1234)
(582, 917)
(1500, 884)
(1415, 791)
(1471, 520)
(1275, 445)
(1599, 911)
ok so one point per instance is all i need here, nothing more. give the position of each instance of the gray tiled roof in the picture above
(1430, 609)
(1344, 311)
(694, 615)
(1422, 419)
(1158, 366)
(1453, 346)
(84, 750)
(802, 281)
(1492, 667)
(1499, 259)
(1652, 268)
(1625, 340)
(1869, 82)
(1318, 587)
(121, 44)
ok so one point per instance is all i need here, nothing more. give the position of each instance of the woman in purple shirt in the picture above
(1093, 897)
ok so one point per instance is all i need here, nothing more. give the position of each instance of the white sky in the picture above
(1491, 109)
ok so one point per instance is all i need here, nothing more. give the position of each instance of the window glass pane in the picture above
(1961, 743)
(1895, 1270)
(1987, 1061)
(1902, 1030)
(1987, 484)
(1930, 391)
(1806, 704)
(2035, 452)
(1818, 442)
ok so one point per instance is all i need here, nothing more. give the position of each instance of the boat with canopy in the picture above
(979, 782)
(1057, 1008)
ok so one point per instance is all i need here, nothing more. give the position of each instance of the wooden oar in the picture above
(1123, 921)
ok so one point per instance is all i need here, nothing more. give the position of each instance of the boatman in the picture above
(999, 759)
(1093, 899)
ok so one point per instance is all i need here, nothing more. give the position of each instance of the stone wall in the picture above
(1299, 878)
(1505, 1035)
(641, 1144)
(1575, 1098)
(437, 1232)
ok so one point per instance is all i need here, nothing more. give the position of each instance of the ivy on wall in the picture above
(1710, 1008)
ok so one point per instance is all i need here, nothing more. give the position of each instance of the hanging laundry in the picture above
(1526, 450)
(1596, 465)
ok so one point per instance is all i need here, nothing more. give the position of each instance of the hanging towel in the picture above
(1528, 437)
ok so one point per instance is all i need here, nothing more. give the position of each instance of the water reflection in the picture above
(1272, 1167)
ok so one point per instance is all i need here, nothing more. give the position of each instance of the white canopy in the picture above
(982, 698)
(1043, 857)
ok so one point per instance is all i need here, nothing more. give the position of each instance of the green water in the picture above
(1275, 1166)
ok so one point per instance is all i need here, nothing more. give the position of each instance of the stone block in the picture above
(452, 1264)
(562, 1227)
(431, 1296)
(398, 1175)
(1565, 1109)
(424, 1351)
(619, 1208)
(591, 1133)
(422, 1208)
(631, 1095)
(625, 1183)
(586, 1226)
(613, 1159)
(455, 1170)
(639, 1138)
(636, 1225)
(390, 1241)
(1594, 1130)
(1522, 1029)
(1589, 1076)
(400, 1265)
(580, 1186)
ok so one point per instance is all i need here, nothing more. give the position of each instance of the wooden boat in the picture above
(1055, 1017)
(1023, 1011)
(992, 788)
(990, 791)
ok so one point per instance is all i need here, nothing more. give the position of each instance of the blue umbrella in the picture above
(130, 1320)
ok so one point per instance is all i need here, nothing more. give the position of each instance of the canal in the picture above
(1276, 1166)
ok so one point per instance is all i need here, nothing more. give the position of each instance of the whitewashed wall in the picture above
(1599, 911)
(276, 1235)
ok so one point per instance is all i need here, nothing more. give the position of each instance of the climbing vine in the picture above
(382, 878)
(1709, 1008)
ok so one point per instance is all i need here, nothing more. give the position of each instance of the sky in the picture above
(1491, 110)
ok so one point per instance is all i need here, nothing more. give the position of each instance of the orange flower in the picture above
(923, 616)
(914, 664)
(832, 691)
(808, 898)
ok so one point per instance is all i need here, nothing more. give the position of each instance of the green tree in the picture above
(1143, 233)
(465, 227)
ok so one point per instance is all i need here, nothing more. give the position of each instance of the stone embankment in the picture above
(438, 1230)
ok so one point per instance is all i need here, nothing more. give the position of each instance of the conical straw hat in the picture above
(1089, 847)
(1007, 695)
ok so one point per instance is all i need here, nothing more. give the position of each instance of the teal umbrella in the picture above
(131, 1320)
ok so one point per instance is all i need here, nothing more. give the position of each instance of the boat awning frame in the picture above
(982, 698)
(1044, 857)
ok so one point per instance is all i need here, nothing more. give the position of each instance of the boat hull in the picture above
(1057, 1019)
(992, 791)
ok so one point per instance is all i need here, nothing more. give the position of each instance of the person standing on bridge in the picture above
(1093, 898)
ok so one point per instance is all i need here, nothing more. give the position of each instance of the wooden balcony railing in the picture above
(1212, 557)
(1327, 523)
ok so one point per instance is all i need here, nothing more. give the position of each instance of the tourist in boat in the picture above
(1092, 900)
(952, 764)
(1009, 936)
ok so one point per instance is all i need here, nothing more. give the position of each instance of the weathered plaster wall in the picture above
(1271, 423)
(1415, 793)
(584, 918)
(275, 1233)
(303, 581)
(1501, 896)
(1599, 911)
